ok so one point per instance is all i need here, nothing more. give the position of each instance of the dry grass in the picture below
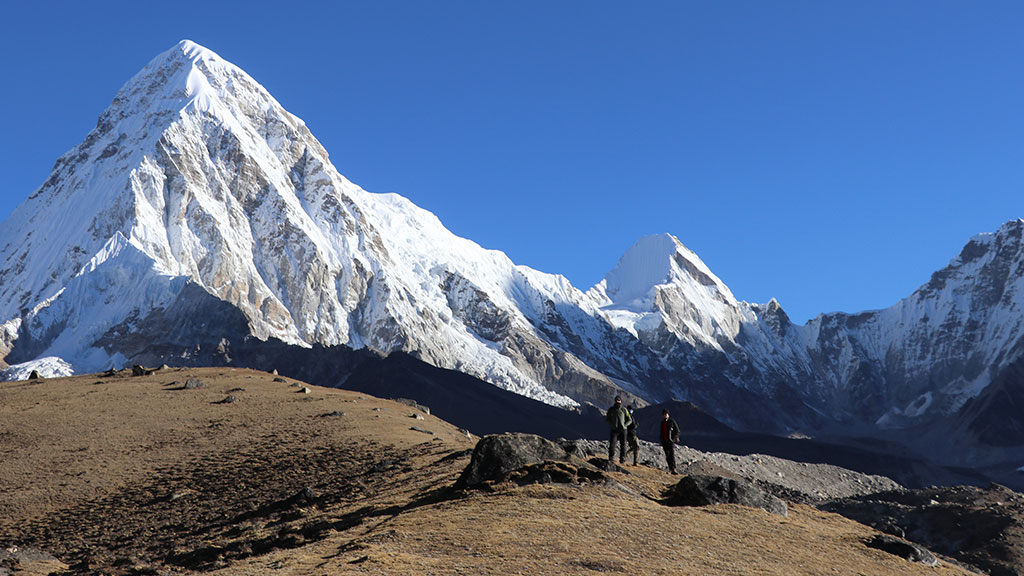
(129, 475)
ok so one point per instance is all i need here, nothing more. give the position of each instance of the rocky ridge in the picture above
(143, 475)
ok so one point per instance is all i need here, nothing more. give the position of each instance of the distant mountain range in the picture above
(200, 222)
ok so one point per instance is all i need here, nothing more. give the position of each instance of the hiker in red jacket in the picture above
(669, 436)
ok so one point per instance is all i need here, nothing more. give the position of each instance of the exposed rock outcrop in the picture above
(523, 458)
(983, 527)
(701, 490)
(902, 548)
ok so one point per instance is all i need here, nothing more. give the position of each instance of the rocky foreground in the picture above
(242, 472)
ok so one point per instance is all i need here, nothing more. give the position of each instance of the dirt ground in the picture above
(121, 474)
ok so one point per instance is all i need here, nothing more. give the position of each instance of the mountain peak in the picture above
(192, 50)
(1013, 227)
(646, 264)
(661, 286)
(186, 74)
(187, 51)
(653, 261)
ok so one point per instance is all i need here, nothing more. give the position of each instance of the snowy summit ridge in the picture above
(199, 214)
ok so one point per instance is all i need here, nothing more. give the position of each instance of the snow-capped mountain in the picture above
(935, 350)
(661, 287)
(922, 359)
(199, 214)
(195, 175)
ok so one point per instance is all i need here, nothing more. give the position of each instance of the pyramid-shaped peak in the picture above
(647, 263)
(188, 76)
(657, 243)
(187, 51)
(193, 50)
(656, 260)
(652, 261)
(183, 66)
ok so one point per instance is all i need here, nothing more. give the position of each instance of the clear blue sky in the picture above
(829, 154)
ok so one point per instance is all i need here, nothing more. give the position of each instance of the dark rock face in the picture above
(498, 456)
(700, 490)
(982, 527)
(994, 415)
(903, 549)
(473, 307)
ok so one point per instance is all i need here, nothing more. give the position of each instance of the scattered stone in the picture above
(334, 414)
(968, 526)
(181, 494)
(110, 373)
(413, 404)
(303, 497)
(902, 548)
(228, 400)
(281, 380)
(305, 390)
(193, 383)
(702, 490)
(274, 371)
(606, 465)
(164, 367)
(417, 416)
(16, 560)
(138, 370)
(237, 390)
(418, 429)
(804, 483)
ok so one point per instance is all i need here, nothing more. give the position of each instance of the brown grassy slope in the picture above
(131, 475)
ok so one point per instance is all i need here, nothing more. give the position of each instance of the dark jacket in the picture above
(668, 431)
(618, 417)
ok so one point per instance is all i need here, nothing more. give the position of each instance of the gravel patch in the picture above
(803, 482)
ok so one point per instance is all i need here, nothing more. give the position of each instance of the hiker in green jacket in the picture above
(631, 438)
(618, 419)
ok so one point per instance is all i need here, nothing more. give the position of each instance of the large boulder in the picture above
(498, 457)
(902, 548)
(704, 490)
